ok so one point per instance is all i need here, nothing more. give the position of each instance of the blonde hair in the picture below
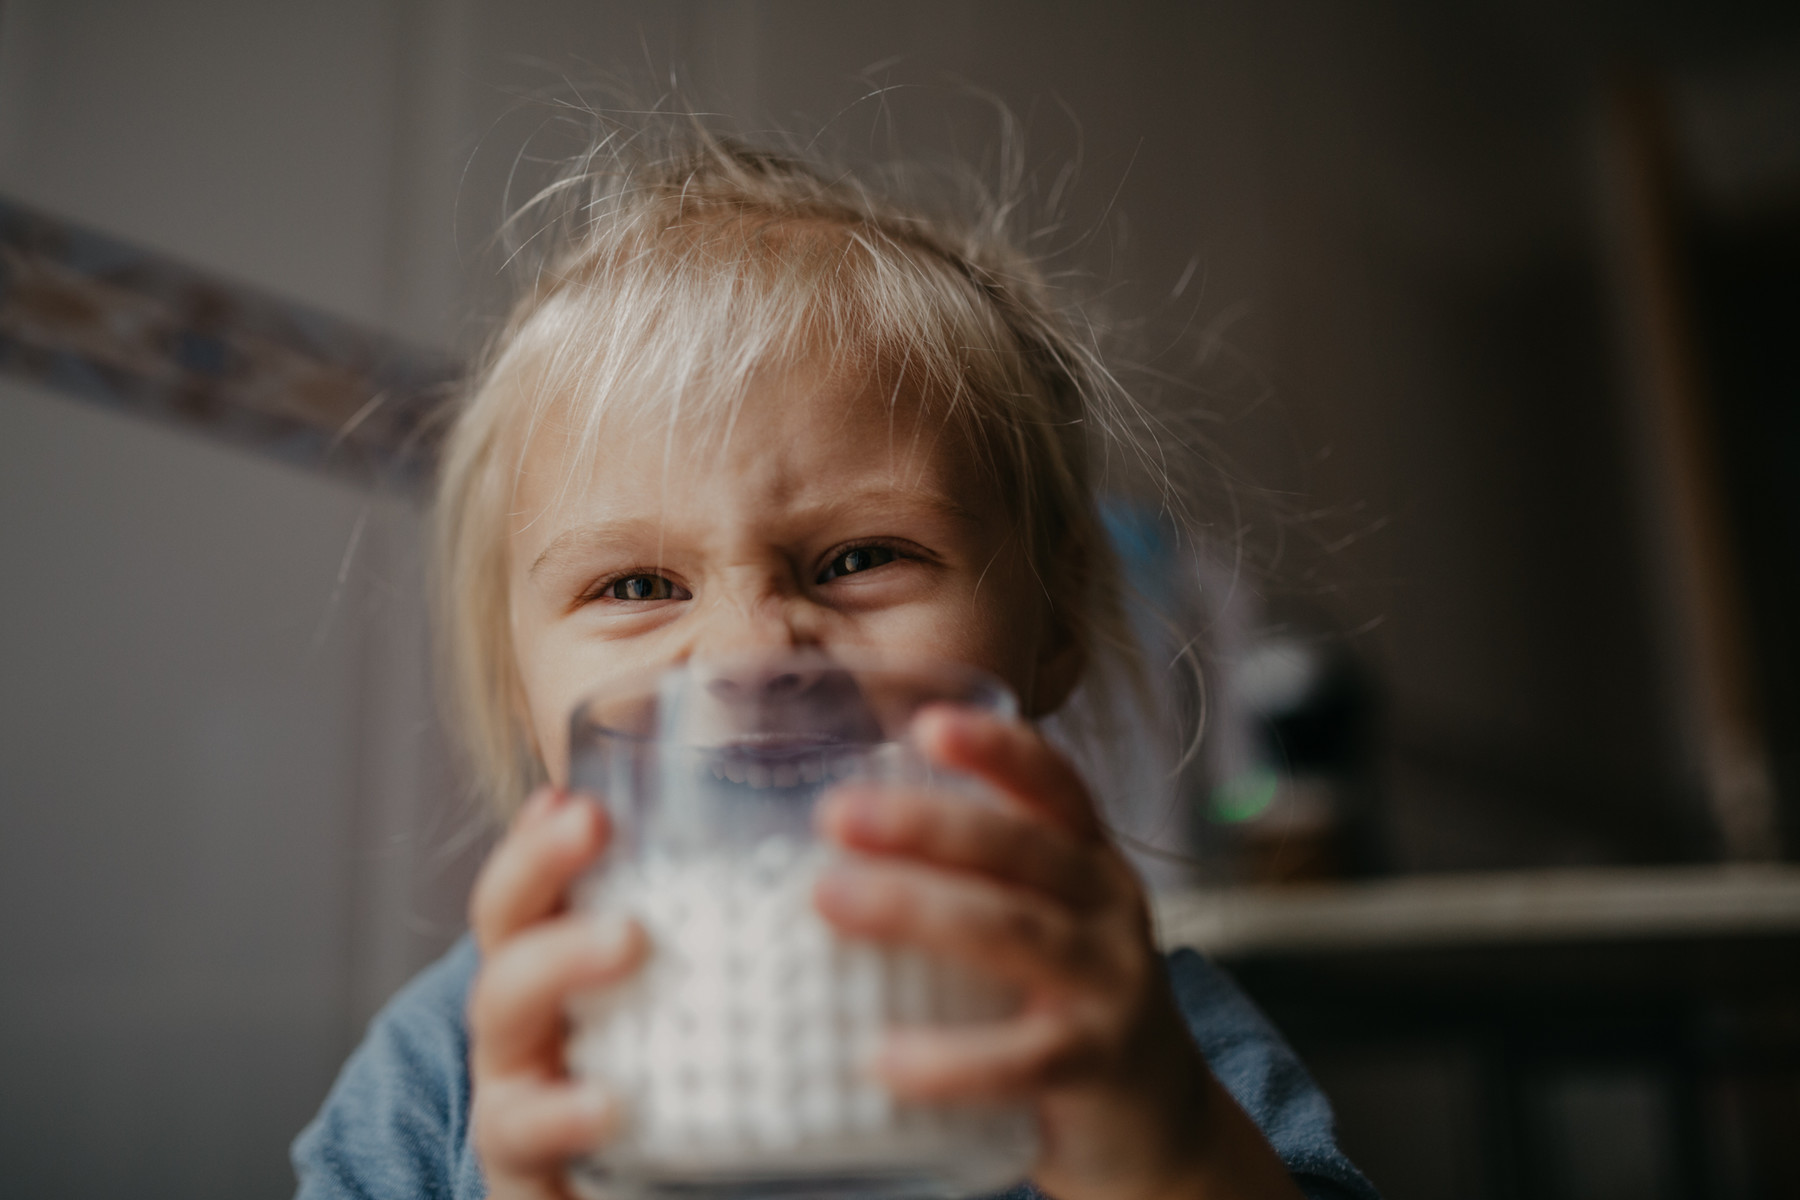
(666, 270)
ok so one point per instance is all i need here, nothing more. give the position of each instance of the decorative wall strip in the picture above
(115, 324)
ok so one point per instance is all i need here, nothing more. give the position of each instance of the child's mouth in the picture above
(783, 759)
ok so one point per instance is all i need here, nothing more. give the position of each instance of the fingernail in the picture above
(574, 823)
(832, 888)
(536, 807)
(850, 811)
(940, 723)
(598, 1107)
(892, 1055)
(932, 717)
(842, 892)
(612, 933)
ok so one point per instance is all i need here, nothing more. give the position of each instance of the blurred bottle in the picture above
(1254, 764)
(1291, 790)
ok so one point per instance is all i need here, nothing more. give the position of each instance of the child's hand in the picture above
(1127, 1107)
(529, 1118)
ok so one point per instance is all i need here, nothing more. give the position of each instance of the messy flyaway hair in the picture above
(667, 265)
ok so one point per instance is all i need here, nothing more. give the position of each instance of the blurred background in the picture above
(1495, 305)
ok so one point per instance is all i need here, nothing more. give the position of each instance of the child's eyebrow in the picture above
(585, 539)
(632, 533)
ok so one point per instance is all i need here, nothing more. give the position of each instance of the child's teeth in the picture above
(843, 768)
(718, 772)
(734, 770)
(785, 774)
(759, 775)
(812, 769)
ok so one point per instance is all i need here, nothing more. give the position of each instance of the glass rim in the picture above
(978, 686)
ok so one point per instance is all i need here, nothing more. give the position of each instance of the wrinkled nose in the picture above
(772, 674)
(759, 617)
(776, 697)
(758, 651)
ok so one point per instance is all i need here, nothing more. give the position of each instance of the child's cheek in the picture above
(549, 686)
(990, 638)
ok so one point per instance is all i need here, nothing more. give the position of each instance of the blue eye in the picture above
(855, 559)
(640, 587)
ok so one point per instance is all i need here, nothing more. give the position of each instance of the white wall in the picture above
(226, 827)
(178, 760)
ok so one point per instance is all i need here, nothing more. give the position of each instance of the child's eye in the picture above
(857, 558)
(641, 587)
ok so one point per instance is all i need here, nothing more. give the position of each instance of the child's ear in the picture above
(1059, 668)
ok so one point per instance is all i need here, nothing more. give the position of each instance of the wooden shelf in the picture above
(1501, 908)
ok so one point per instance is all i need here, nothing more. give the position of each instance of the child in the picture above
(747, 405)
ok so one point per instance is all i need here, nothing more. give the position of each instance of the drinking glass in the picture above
(741, 1048)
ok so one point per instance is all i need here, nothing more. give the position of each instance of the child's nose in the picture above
(763, 650)
(756, 625)
(758, 679)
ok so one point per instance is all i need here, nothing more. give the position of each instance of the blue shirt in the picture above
(396, 1124)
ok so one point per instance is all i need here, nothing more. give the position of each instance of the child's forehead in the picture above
(823, 423)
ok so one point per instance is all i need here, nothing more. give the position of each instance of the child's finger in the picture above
(1018, 935)
(1010, 755)
(516, 1006)
(999, 1060)
(952, 832)
(537, 808)
(527, 1125)
(526, 876)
